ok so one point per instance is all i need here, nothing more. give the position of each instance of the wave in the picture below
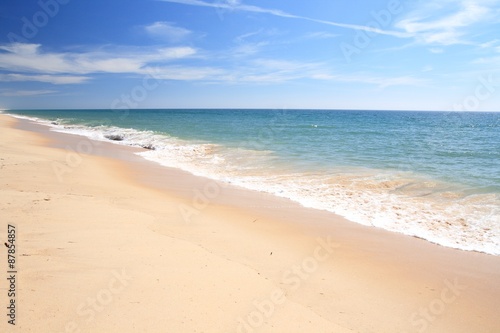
(402, 202)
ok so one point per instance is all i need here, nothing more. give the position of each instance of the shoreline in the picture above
(368, 280)
(412, 205)
(81, 144)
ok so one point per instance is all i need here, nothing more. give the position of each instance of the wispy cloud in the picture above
(446, 22)
(243, 37)
(187, 73)
(232, 5)
(239, 6)
(491, 43)
(381, 82)
(265, 71)
(493, 62)
(436, 50)
(257, 71)
(320, 35)
(33, 64)
(30, 58)
(54, 79)
(246, 49)
(25, 93)
(166, 31)
(427, 68)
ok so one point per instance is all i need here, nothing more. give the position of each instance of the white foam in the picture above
(467, 223)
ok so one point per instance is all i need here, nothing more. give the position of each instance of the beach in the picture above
(109, 242)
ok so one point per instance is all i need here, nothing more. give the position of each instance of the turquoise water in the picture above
(435, 175)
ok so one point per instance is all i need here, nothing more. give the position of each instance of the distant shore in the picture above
(108, 242)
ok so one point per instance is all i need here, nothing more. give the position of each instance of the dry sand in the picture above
(107, 242)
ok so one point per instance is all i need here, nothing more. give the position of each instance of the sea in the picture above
(432, 175)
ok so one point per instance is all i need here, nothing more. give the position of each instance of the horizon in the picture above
(230, 54)
(248, 109)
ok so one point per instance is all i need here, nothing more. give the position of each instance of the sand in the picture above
(107, 242)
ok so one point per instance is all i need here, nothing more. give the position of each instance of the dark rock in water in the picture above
(148, 146)
(114, 137)
(54, 123)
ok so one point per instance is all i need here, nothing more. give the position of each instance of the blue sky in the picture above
(343, 54)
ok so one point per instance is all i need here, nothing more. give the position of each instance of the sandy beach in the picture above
(108, 242)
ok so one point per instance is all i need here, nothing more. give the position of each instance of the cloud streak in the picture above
(237, 6)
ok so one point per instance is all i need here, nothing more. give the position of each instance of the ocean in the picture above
(433, 175)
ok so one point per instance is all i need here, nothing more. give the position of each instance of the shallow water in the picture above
(435, 175)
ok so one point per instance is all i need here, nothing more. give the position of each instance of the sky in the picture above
(283, 54)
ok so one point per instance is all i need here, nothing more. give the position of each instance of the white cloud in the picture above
(265, 70)
(25, 93)
(54, 79)
(32, 59)
(251, 43)
(166, 31)
(247, 49)
(280, 65)
(243, 37)
(493, 61)
(381, 82)
(320, 35)
(28, 57)
(34, 64)
(436, 50)
(446, 22)
(186, 73)
(427, 68)
(491, 43)
(273, 71)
